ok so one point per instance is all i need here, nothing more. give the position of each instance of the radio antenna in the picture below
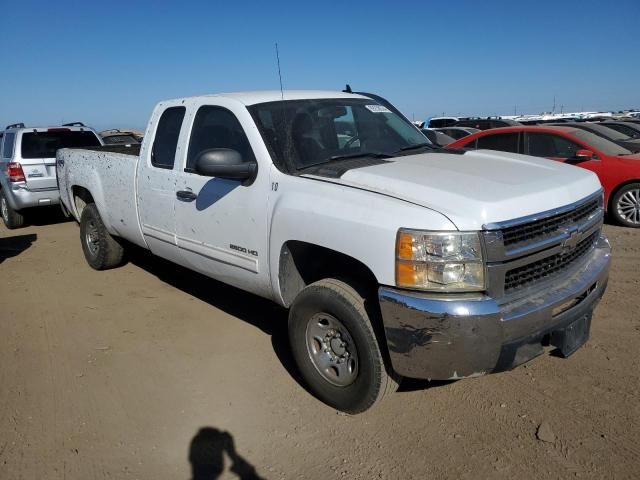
(279, 73)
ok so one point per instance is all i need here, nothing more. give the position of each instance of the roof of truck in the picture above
(251, 98)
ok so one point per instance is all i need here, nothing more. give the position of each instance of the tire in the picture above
(10, 217)
(100, 249)
(625, 205)
(361, 379)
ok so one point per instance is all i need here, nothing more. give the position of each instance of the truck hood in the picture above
(477, 187)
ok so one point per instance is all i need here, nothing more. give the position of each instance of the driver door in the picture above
(221, 224)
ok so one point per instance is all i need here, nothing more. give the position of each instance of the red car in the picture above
(617, 168)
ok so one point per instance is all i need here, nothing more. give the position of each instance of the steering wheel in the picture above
(350, 142)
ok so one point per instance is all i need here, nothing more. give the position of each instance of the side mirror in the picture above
(584, 155)
(225, 163)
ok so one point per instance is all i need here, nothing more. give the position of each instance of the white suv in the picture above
(28, 165)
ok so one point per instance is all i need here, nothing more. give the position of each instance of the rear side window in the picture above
(163, 152)
(547, 145)
(46, 144)
(216, 127)
(503, 142)
(9, 140)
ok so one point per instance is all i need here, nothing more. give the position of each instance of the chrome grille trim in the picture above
(547, 268)
(554, 226)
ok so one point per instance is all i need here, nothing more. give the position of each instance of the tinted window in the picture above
(9, 139)
(625, 129)
(46, 144)
(503, 142)
(163, 153)
(548, 145)
(216, 127)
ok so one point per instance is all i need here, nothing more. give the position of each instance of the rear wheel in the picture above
(10, 217)
(101, 250)
(626, 205)
(335, 347)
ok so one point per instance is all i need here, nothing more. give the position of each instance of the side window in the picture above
(503, 142)
(9, 141)
(471, 144)
(163, 153)
(548, 145)
(216, 127)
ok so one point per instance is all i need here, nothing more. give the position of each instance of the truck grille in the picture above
(546, 227)
(547, 267)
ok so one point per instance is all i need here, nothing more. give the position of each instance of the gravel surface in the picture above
(152, 372)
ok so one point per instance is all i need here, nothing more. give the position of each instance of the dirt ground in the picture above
(138, 372)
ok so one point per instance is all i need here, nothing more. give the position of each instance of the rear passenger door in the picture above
(157, 176)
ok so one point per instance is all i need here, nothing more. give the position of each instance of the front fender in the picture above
(357, 223)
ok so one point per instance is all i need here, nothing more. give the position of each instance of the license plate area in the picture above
(573, 336)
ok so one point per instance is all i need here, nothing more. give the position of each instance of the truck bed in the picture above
(109, 173)
(132, 150)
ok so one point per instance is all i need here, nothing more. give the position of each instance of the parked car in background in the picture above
(28, 166)
(394, 258)
(457, 132)
(630, 129)
(116, 136)
(437, 138)
(486, 123)
(439, 122)
(604, 132)
(617, 168)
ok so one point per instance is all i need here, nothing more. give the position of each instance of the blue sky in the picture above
(108, 62)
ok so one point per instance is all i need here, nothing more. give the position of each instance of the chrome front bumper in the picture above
(443, 337)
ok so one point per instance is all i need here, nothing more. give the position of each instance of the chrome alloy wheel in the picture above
(92, 238)
(628, 206)
(331, 350)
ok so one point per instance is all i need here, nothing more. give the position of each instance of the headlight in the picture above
(441, 261)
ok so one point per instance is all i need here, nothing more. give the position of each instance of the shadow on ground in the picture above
(14, 246)
(206, 456)
(259, 312)
(42, 216)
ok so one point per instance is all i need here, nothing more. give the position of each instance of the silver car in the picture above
(28, 166)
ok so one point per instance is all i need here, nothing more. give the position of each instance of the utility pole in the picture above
(554, 104)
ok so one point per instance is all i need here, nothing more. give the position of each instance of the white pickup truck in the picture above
(395, 258)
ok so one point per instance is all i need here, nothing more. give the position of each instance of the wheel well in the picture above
(81, 198)
(616, 190)
(303, 263)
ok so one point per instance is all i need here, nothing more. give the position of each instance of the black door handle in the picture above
(186, 195)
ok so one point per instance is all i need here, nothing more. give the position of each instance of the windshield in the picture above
(304, 133)
(118, 139)
(600, 143)
(608, 132)
(45, 144)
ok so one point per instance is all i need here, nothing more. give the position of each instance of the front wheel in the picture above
(625, 206)
(335, 347)
(10, 217)
(100, 249)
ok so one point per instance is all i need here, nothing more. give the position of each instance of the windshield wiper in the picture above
(347, 157)
(416, 147)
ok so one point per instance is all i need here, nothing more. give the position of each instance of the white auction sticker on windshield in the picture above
(377, 109)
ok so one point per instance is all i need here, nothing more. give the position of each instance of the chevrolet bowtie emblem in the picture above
(571, 241)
